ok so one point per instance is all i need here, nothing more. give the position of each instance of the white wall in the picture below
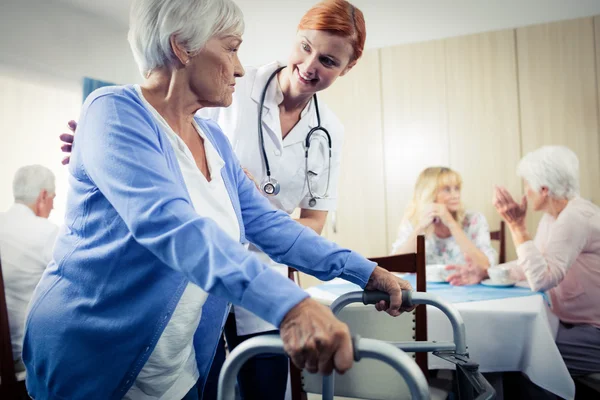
(45, 50)
(271, 24)
(65, 35)
(56, 42)
(63, 41)
(33, 113)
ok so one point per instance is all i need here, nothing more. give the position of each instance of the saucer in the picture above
(435, 280)
(489, 282)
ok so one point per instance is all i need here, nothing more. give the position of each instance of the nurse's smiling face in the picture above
(317, 60)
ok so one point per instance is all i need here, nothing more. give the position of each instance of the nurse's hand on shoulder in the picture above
(315, 339)
(67, 139)
(251, 177)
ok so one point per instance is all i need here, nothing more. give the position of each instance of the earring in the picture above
(187, 61)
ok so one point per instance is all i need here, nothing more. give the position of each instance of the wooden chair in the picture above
(413, 263)
(9, 387)
(360, 382)
(500, 235)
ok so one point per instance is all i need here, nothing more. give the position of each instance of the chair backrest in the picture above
(8, 382)
(500, 235)
(412, 263)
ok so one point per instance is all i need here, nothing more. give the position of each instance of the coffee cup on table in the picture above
(437, 272)
(499, 274)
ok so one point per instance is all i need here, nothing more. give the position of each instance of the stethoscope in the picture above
(270, 186)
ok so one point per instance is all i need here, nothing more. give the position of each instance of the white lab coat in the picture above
(286, 157)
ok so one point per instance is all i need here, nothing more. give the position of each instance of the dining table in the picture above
(509, 328)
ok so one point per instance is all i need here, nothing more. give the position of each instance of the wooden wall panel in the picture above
(414, 121)
(360, 222)
(477, 103)
(558, 95)
(597, 43)
(483, 118)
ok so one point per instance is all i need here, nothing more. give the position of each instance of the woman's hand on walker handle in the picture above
(315, 339)
(383, 280)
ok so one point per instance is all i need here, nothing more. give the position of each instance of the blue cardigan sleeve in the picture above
(288, 242)
(122, 154)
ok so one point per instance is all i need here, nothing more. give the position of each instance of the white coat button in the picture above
(277, 153)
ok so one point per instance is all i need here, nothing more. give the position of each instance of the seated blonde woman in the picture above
(453, 235)
(564, 257)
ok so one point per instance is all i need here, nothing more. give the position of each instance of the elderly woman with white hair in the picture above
(158, 215)
(564, 257)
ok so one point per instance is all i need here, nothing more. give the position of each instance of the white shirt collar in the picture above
(22, 209)
(213, 159)
(274, 95)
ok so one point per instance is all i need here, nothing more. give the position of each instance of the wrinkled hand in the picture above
(315, 339)
(441, 212)
(385, 281)
(514, 214)
(67, 139)
(426, 219)
(249, 175)
(469, 274)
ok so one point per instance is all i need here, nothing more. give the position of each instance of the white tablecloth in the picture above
(514, 334)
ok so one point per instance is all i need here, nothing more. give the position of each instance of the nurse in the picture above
(293, 152)
(281, 101)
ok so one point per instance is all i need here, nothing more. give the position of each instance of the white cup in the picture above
(437, 272)
(499, 274)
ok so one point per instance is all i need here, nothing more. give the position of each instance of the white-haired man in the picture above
(26, 242)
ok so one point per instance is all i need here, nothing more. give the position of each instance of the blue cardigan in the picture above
(132, 242)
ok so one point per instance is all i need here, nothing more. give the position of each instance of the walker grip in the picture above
(375, 296)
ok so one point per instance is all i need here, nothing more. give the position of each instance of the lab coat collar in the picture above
(308, 119)
(270, 117)
(262, 75)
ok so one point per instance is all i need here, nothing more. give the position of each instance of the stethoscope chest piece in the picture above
(312, 202)
(270, 187)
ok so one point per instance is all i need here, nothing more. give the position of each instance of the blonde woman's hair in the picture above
(429, 182)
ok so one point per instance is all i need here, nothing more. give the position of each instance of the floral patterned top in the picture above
(447, 251)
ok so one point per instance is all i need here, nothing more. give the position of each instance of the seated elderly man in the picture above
(26, 242)
(564, 257)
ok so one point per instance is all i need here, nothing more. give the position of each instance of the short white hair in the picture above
(554, 167)
(30, 180)
(193, 22)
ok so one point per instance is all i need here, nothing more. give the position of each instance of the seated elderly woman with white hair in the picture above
(564, 257)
